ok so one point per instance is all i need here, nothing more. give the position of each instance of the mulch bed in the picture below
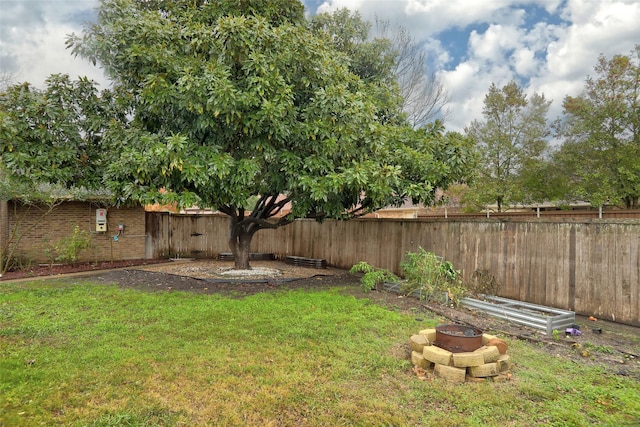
(41, 270)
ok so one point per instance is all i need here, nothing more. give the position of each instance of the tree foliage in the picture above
(54, 136)
(220, 103)
(229, 101)
(51, 150)
(601, 152)
(511, 144)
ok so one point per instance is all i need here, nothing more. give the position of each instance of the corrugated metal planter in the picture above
(536, 316)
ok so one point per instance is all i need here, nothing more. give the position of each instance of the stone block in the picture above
(486, 338)
(497, 342)
(467, 359)
(504, 363)
(450, 373)
(486, 370)
(418, 360)
(418, 342)
(489, 353)
(437, 355)
(430, 334)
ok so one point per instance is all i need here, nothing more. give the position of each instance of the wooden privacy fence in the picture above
(591, 267)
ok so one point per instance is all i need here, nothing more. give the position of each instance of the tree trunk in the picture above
(241, 255)
(240, 244)
(242, 228)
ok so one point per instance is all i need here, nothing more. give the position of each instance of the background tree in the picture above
(388, 55)
(51, 148)
(601, 153)
(227, 105)
(424, 96)
(6, 79)
(511, 145)
(372, 60)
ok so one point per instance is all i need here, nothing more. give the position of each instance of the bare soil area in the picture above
(616, 347)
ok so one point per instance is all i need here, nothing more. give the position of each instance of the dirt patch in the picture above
(616, 347)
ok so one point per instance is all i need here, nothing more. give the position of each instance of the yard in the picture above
(133, 347)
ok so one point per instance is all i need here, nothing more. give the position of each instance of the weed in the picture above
(599, 348)
(428, 272)
(372, 276)
(484, 282)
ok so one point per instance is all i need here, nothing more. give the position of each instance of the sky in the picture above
(547, 46)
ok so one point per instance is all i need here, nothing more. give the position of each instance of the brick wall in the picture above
(44, 229)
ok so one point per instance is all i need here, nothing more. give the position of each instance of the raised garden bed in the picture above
(306, 262)
(535, 316)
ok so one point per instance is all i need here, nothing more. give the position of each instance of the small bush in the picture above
(428, 272)
(69, 248)
(372, 276)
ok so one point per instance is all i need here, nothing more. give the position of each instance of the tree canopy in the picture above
(601, 153)
(227, 101)
(53, 136)
(511, 144)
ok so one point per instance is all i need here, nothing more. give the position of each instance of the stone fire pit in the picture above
(458, 338)
(460, 353)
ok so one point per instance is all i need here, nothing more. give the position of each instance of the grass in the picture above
(82, 354)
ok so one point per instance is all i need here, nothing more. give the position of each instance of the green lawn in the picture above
(93, 355)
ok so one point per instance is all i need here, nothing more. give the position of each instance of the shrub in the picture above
(69, 248)
(422, 270)
(429, 273)
(372, 276)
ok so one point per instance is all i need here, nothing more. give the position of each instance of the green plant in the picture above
(422, 271)
(428, 272)
(599, 348)
(49, 250)
(69, 248)
(556, 335)
(373, 276)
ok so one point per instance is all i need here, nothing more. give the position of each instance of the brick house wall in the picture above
(44, 230)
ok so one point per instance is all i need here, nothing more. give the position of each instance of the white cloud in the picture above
(495, 43)
(553, 56)
(33, 35)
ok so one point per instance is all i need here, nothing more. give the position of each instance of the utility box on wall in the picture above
(101, 220)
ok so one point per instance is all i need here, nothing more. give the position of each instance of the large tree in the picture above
(236, 100)
(600, 156)
(511, 144)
